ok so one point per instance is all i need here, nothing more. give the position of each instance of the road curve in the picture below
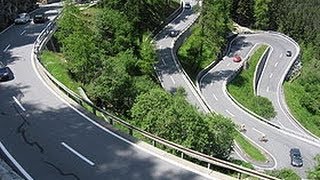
(51, 139)
(213, 88)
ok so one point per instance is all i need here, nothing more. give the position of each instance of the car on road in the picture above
(173, 33)
(4, 73)
(236, 58)
(296, 158)
(39, 18)
(187, 5)
(22, 18)
(288, 53)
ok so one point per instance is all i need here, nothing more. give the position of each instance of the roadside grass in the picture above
(293, 93)
(241, 88)
(252, 152)
(55, 64)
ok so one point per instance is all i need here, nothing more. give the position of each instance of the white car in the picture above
(22, 18)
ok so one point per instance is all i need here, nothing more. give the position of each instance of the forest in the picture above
(108, 50)
(299, 20)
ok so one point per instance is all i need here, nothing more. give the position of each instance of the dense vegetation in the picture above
(285, 174)
(10, 8)
(300, 20)
(208, 37)
(241, 88)
(108, 51)
(315, 173)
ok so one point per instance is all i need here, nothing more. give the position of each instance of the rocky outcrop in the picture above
(10, 8)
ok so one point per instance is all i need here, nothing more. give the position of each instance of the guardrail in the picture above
(43, 38)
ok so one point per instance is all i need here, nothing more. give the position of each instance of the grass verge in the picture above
(56, 66)
(252, 152)
(293, 94)
(241, 88)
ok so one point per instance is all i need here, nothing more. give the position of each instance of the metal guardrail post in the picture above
(154, 143)
(130, 131)
(182, 155)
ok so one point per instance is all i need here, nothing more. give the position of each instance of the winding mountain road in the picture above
(52, 139)
(213, 88)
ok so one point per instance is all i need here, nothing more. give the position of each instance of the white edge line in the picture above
(115, 135)
(20, 168)
(19, 104)
(77, 153)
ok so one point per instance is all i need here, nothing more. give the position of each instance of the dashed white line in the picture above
(76, 153)
(163, 61)
(281, 55)
(271, 75)
(215, 97)
(258, 131)
(7, 48)
(229, 113)
(276, 64)
(22, 32)
(228, 64)
(19, 104)
(268, 89)
(172, 80)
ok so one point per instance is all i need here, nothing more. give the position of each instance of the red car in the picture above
(236, 58)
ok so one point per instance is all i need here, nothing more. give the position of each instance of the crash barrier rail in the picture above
(313, 138)
(43, 38)
(259, 69)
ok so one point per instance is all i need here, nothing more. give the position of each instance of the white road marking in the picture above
(215, 97)
(268, 89)
(24, 172)
(19, 104)
(172, 80)
(258, 131)
(76, 153)
(22, 32)
(276, 64)
(229, 113)
(281, 55)
(110, 132)
(281, 124)
(160, 46)
(7, 48)
(271, 75)
(228, 64)
(163, 61)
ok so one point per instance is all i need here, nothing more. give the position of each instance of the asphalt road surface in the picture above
(213, 88)
(50, 139)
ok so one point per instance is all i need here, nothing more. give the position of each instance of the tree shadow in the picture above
(35, 137)
(213, 77)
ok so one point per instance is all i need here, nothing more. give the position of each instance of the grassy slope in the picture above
(293, 93)
(55, 64)
(250, 149)
(241, 88)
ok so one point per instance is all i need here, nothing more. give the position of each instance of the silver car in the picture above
(22, 18)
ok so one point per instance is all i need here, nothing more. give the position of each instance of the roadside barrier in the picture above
(185, 153)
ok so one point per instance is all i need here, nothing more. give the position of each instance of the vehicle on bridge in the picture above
(236, 58)
(39, 18)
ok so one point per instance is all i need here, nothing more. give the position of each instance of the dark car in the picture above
(288, 53)
(296, 158)
(39, 18)
(187, 5)
(173, 33)
(4, 73)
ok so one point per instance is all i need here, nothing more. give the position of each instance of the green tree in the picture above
(286, 174)
(245, 13)
(261, 13)
(315, 173)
